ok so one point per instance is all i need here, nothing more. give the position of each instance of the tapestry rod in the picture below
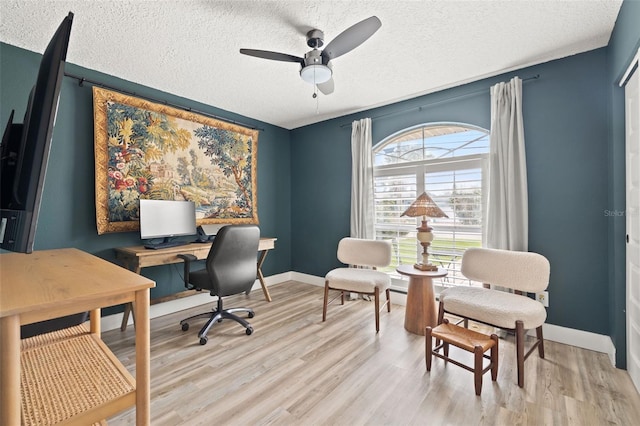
(82, 80)
(464, 95)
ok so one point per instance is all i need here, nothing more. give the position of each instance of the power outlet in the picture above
(543, 298)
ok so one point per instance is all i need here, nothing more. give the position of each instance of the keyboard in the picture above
(165, 244)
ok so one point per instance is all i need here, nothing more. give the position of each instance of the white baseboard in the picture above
(308, 279)
(555, 333)
(581, 339)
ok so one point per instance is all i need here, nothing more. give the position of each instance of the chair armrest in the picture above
(188, 258)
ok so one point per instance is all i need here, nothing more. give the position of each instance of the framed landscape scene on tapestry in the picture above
(149, 150)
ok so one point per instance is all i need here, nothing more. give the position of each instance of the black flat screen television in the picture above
(24, 152)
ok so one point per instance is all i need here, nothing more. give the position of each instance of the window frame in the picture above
(419, 169)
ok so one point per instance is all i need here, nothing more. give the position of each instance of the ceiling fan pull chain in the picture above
(315, 91)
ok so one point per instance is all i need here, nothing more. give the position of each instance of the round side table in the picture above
(421, 302)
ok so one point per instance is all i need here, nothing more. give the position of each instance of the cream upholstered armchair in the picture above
(524, 272)
(360, 254)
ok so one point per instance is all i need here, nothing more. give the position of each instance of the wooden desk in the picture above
(421, 302)
(52, 283)
(137, 257)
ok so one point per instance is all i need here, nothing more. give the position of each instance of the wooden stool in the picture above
(470, 341)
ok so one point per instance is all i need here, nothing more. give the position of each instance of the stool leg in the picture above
(427, 346)
(477, 370)
(494, 358)
(445, 349)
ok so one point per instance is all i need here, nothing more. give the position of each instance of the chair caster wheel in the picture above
(251, 315)
(204, 340)
(185, 326)
(249, 330)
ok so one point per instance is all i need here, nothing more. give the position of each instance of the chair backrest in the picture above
(232, 261)
(524, 271)
(363, 252)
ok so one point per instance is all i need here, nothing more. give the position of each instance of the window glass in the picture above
(449, 161)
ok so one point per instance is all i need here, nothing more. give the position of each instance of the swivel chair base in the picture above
(217, 315)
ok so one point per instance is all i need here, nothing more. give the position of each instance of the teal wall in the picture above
(623, 45)
(565, 115)
(68, 217)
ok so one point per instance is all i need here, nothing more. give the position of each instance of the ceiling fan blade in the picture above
(274, 56)
(327, 87)
(351, 38)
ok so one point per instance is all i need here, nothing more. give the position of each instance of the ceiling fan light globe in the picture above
(316, 74)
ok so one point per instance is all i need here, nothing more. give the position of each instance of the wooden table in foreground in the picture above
(421, 302)
(52, 283)
(137, 257)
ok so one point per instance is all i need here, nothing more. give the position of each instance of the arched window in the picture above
(447, 160)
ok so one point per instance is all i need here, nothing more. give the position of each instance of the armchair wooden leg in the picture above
(388, 300)
(440, 317)
(541, 342)
(520, 351)
(376, 296)
(440, 312)
(326, 300)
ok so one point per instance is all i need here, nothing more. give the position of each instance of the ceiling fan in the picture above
(316, 65)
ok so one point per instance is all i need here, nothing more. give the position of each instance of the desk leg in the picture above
(267, 296)
(421, 305)
(128, 309)
(128, 306)
(10, 370)
(143, 369)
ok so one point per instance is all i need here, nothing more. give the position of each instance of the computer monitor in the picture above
(166, 219)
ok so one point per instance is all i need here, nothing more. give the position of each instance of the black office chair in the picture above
(231, 267)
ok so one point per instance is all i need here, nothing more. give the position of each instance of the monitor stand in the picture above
(165, 243)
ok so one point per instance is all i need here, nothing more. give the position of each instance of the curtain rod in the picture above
(82, 80)
(464, 95)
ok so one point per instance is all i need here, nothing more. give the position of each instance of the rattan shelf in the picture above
(72, 377)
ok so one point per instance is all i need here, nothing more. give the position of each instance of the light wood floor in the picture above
(296, 370)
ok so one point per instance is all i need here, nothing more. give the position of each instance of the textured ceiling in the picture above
(190, 48)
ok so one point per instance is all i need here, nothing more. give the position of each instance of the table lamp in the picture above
(424, 206)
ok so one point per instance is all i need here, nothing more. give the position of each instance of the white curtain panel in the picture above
(507, 216)
(361, 179)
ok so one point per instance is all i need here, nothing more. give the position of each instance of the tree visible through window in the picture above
(448, 160)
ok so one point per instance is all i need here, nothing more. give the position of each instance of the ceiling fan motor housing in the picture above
(315, 39)
(313, 57)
